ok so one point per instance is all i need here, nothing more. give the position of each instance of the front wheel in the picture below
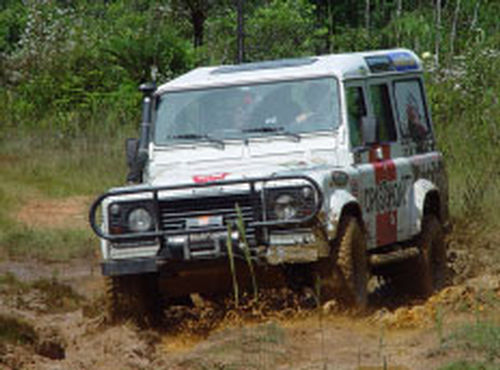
(344, 276)
(134, 297)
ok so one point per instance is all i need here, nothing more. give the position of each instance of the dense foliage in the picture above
(71, 64)
(72, 67)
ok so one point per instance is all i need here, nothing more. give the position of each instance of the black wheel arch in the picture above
(432, 205)
(351, 209)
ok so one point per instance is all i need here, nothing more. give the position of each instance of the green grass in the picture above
(38, 165)
(472, 159)
(466, 113)
(61, 166)
(468, 365)
(482, 337)
(479, 341)
(46, 244)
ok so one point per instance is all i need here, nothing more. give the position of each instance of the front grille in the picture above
(174, 213)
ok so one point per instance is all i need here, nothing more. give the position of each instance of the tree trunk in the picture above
(240, 32)
(198, 21)
(367, 16)
(399, 10)
(453, 33)
(330, 27)
(474, 18)
(438, 31)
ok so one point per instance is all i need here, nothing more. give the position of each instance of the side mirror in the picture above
(131, 148)
(369, 130)
(147, 89)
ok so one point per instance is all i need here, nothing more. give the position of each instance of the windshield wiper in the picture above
(198, 137)
(279, 130)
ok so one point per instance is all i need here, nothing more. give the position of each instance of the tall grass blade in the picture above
(246, 250)
(231, 263)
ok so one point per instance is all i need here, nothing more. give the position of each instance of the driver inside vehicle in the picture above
(277, 107)
(316, 110)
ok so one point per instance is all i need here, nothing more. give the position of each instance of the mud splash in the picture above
(209, 314)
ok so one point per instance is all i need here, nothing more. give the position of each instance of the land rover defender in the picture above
(330, 162)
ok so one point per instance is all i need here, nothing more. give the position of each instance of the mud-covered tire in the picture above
(430, 268)
(428, 273)
(345, 276)
(134, 297)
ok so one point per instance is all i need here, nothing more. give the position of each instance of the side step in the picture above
(384, 259)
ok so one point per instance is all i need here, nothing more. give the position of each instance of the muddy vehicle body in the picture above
(330, 163)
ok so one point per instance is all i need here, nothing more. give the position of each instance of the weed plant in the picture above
(246, 250)
(230, 254)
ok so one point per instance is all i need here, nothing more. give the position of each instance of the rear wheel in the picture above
(345, 275)
(428, 273)
(134, 297)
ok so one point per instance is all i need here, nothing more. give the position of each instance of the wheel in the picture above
(344, 276)
(428, 273)
(134, 297)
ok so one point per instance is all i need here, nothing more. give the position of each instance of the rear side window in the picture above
(386, 131)
(356, 110)
(410, 108)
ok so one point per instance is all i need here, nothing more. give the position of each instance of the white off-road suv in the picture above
(330, 163)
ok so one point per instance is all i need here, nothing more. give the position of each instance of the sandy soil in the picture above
(55, 213)
(394, 333)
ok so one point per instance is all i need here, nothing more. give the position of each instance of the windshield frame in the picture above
(246, 136)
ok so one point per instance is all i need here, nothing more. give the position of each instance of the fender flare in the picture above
(339, 202)
(422, 188)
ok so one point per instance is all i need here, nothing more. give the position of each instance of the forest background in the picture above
(69, 72)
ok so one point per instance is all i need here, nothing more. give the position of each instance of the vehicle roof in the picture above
(343, 66)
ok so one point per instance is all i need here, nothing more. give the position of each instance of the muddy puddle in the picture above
(53, 316)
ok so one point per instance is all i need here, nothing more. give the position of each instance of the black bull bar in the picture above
(253, 192)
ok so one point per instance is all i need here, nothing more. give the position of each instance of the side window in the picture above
(410, 107)
(386, 131)
(356, 110)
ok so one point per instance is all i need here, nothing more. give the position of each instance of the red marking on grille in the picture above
(202, 179)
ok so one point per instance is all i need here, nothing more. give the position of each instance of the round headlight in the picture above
(285, 207)
(115, 209)
(139, 220)
(307, 192)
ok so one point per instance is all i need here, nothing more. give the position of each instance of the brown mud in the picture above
(57, 312)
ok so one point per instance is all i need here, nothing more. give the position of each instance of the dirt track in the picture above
(396, 333)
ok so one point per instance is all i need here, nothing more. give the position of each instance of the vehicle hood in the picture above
(207, 163)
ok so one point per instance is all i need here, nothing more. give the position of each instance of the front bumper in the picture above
(130, 266)
(264, 237)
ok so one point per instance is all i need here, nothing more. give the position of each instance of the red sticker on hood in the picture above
(202, 179)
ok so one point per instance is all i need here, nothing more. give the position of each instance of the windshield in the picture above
(239, 112)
